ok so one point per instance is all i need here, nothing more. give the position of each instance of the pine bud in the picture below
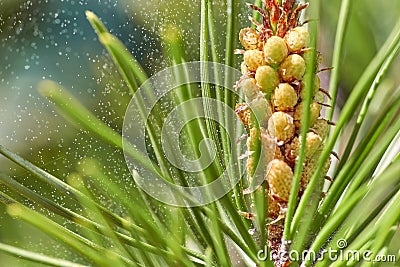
(281, 126)
(249, 38)
(292, 68)
(319, 97)
(315, 109)
(315, 87)
(321, 127)
(297, 39)
(268, 79)
(280, 177)
(313, 142)
(275, 50)
(253, 59)
(273, 70)
(284, 97)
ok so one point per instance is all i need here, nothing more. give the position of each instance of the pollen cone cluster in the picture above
(273, 68)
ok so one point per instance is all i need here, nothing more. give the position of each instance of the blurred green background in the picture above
(51, 39)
